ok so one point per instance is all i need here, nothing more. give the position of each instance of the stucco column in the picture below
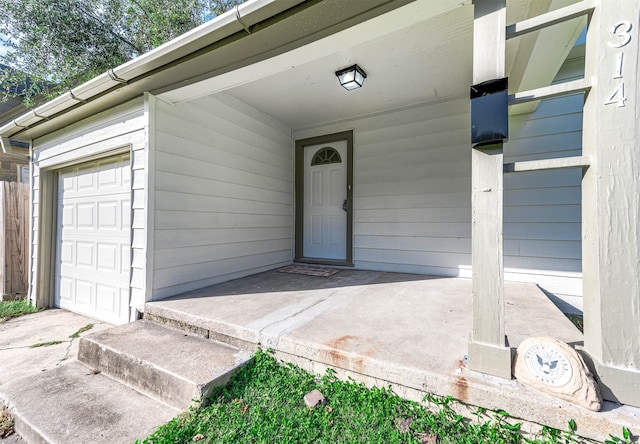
(611, 200)
(488, 352)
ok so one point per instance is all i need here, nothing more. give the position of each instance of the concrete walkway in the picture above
(406, 331)
(19, 360)
(17, 336)
(54, 398)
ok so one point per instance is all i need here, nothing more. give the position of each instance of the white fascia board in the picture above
(246, 14)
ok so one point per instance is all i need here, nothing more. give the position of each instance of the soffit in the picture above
(423, 61)
(421, 52)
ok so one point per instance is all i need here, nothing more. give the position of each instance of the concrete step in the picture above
(161, 362)
(326, 322)
(71, 404)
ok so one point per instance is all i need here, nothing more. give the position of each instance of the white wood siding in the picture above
(412, 192)
(119, 129)
(412, 189)
(223, 194)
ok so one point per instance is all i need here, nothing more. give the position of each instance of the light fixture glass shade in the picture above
(351, 77)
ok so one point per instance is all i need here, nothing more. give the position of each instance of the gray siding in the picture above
(223, 194)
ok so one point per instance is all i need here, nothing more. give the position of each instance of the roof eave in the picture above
(238, 19)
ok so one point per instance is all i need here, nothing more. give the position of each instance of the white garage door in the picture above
(93, 239)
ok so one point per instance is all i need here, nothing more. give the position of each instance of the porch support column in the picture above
(611, 200)
(488, 351)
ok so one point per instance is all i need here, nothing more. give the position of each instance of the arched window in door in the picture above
(325, 156)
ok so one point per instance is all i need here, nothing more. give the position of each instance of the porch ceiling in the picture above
(417, 53)
(420, 62)
(413, 50)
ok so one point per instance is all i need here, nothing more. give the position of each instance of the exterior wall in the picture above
(120, 129)
(412, 193)
(223, 194)
(10, 165)
(542, 216)
(412, 189)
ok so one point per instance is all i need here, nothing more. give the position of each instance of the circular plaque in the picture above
(547, 364)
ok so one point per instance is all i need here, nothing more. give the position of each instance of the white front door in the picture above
(325, 194)
(93, 259)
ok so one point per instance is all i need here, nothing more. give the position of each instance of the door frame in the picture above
(299, 197)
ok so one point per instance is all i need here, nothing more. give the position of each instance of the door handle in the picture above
(344, 205)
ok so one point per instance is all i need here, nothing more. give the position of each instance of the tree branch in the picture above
(108, 28)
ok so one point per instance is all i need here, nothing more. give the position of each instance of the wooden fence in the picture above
(14, 241)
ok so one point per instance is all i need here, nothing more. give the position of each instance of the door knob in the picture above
(344, 205)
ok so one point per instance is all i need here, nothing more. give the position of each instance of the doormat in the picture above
(309, 271)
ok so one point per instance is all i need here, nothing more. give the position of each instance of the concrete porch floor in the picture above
(406, 331)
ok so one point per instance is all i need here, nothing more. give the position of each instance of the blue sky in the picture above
(3, 49)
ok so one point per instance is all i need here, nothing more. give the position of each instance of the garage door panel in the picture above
(66, 289)
(84, 293)
(85, 217)
(125, 261)
(93, 246)
(124, 303)
(108, 258)
(66, 252)
(108, 216)
(107, 298)
(107, 177)
(85, 179)
(76, 274)
(68, 183)
(85, 255)
(68, 216)
(125, 211)
(126, 177)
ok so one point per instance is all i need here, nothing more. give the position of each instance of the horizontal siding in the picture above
(171, 239)
(197, 202)
(211, 273)
(412, 189)
(204, 254)
(543, 214)
(412, 192)
(227, 169)
(166, 219)
(120, 127)
(116, 128)
(223, 204)
(214, 187)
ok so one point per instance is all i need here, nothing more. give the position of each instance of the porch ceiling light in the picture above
(351, 77)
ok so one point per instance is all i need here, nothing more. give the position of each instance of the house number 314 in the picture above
(621, 36)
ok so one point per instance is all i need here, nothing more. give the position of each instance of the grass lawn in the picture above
(263, 403)
(12, 309)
